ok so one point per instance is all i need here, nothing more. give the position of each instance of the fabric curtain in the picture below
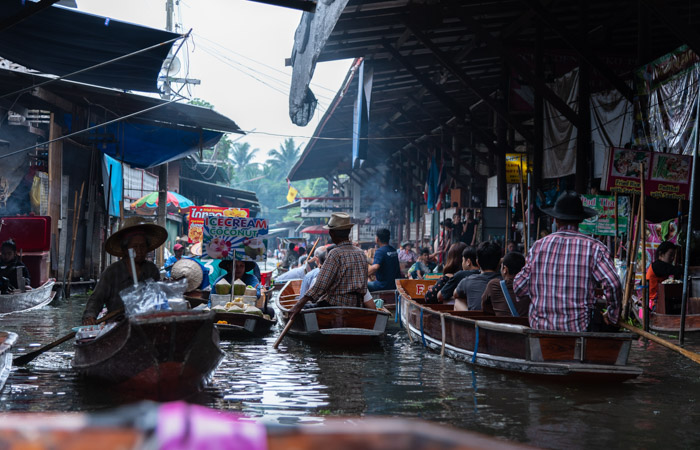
(611, 125)
(559, 133)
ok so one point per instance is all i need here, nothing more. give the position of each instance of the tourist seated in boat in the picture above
(342, 279)
(244, 271)
(563, 270)
(498, 298)
(320, 255)
(9, 263)
(469, 268)
(385, 267)
(135, 233)
(662, 269)
(302, 257)
(291, 258)
(470, 290)
(419, 268)
(299, 272)
(453, 264)
(178, 251)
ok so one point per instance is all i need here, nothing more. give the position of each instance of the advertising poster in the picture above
(195, 219)
(516, 162)
(666, 175)
(239, 238)
(604, 223)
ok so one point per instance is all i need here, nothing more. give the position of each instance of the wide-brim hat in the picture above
(405, 243)
(339, 221)
(570, 207)
(189, 269)
(227, 265)
(156, 235)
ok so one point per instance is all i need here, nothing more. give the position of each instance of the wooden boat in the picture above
(240, 325)
(667, 317)
(197, 297)
(30, 299)
(149, 425)
(389, 297)
(508, 343)
(162, 355)
(334, 324)
(7, 340)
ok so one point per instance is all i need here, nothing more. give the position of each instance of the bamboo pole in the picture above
(642, 228)
(76, 220)
(631, 264)
(522, 209)
(617, 229)
(691, 207)
(652, 337)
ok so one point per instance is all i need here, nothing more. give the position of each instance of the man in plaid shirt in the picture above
(562, 271)
(342, 279)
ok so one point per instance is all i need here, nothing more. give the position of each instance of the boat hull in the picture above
(242, 325)
(333, 325)
(507, 343)
(25, 301)
(160, 356)
(671, 323)
(7, 340)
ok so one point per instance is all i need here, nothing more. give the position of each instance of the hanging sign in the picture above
(195, 219)
(239, 238)
(666, 175)
(515, 164)
(604, 223)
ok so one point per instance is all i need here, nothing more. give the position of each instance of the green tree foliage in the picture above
(284, 158)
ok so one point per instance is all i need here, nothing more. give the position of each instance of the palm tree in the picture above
(284, 158)
(242, 155)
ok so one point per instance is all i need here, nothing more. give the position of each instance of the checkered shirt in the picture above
(342, 279)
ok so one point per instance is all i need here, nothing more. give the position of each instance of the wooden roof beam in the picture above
(582, 48)
(675, 24)
(458, 73)
(517, 64)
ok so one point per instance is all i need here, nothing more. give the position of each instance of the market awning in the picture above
(60, 41)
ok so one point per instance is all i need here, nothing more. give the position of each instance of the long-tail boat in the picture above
(163, 355)
(29, 299)
(332, 324)
(508, 343)
(7, 340)
(180, 425)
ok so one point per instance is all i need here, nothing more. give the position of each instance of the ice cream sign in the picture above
(239, 238)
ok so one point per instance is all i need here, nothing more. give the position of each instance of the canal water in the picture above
(306, 384)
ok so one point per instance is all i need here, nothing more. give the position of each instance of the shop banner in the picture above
(666, 175)
(239, 238)
(195, 219)
(604, 223)
(516, 163)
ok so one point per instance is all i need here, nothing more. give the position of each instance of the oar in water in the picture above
(687, 353)
(24, 359)
(284, 332)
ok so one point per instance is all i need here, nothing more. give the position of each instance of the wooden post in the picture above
(631, 264)
(55, 173)
(616, 229)
(642, 229)
(76, 221)
(522, 209)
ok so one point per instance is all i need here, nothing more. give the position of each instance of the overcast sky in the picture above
(237, 51)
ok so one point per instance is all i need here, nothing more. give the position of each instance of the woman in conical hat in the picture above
(142, 236)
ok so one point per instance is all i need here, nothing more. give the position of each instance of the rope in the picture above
(397, 301)
(408, 320)
(422, 335)
(476, 342)
(442, 328)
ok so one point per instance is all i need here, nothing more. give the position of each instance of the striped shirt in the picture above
(560, 276)
(342, 279)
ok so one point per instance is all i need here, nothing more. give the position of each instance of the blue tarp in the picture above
(142, 145)
(115, 193)
(60, 41)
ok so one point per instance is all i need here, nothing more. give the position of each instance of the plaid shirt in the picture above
(560, 275)
(342, 279)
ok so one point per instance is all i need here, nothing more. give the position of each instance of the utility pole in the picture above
(163, 169)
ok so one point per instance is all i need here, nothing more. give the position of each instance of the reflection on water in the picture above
(303, 384)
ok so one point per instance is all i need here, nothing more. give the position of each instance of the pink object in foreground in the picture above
(183, 426)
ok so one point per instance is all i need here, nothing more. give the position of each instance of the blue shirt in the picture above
(389, 269)
(308, 281)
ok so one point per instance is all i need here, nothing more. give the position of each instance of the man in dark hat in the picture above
(562, 271)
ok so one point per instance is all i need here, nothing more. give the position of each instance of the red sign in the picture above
(197, 214)
(666, 175)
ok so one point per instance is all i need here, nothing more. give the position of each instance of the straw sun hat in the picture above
(187, 268)
(155, 234)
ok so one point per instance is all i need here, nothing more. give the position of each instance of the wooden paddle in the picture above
(26, 358)
(284, 332)
(652, 337)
